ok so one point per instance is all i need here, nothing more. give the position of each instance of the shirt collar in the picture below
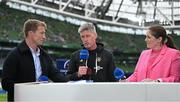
(35, 52)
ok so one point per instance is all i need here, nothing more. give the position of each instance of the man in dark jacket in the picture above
(100, 64)
(28, 61)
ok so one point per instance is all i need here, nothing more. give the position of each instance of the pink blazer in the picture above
(166, 67)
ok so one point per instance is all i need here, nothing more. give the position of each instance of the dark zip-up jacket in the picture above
(104, 61)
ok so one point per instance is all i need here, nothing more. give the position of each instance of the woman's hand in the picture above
(149, 80)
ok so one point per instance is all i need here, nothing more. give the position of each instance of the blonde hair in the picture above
(32, 25)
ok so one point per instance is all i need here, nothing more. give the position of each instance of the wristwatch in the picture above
(159, 80)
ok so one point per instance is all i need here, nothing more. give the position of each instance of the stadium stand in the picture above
(61, 34)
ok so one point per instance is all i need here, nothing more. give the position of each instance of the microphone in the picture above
(84, 55)
(43, 78)
(119, 73)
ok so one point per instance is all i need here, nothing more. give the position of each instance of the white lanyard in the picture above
(96, 64)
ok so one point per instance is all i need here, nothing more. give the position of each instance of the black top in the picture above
(105, 64)
(19, 68)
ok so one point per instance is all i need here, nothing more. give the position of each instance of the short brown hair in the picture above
(32, 25)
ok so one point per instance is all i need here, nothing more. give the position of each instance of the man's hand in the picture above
(82, 70)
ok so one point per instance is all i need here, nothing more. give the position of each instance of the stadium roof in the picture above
(130, 14)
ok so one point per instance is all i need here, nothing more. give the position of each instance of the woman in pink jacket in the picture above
(161, 62)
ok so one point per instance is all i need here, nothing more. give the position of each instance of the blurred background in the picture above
(121, 25)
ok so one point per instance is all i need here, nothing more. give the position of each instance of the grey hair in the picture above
(87, 26)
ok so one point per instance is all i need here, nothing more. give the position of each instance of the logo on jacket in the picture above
(98, 59)
(97, 68)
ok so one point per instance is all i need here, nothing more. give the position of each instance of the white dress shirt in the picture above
(37, 62)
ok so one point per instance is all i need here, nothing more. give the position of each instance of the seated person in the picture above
(28, 61)
(99, 66)
(161, 62)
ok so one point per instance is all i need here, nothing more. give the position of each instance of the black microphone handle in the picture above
(83, 62)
